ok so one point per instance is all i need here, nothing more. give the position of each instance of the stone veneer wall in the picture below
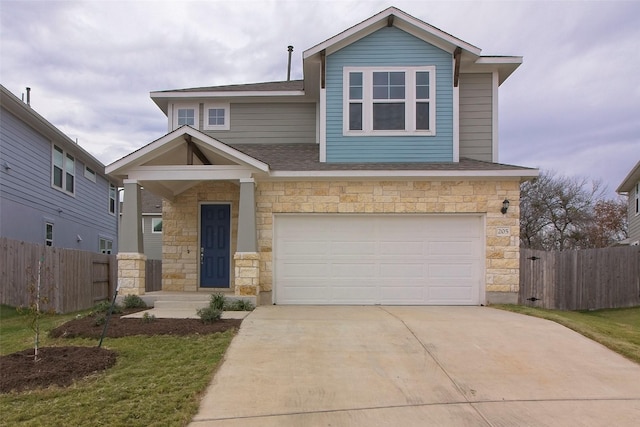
(485, 197)
(180, 240)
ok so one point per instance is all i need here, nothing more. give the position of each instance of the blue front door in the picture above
(215, 234)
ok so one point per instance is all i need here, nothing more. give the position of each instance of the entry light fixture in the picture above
(505, 206)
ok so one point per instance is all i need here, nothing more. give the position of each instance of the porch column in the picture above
(131, 258)
(247, 235)
(247, 259)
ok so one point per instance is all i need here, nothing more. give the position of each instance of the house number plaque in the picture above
(503, 231)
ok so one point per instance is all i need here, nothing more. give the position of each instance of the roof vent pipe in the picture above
(29, 96)
(290, 49)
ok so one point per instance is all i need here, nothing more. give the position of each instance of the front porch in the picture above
(209, 238)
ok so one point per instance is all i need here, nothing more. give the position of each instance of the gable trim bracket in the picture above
(456, 74)
(192, 149)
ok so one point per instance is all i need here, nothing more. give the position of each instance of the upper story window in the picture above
(112, 198)
(185, 114)
(216, 117)
(89, 173)
(63, 170)
(389, 100)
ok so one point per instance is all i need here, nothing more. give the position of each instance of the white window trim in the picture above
(153, 231)
(367, 101)
(227, 116)
(105, 239)
(189, 106)
(46, 225)
(64, 170)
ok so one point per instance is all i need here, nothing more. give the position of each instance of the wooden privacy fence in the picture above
(71, 280)
(153, 275)
(587, 279)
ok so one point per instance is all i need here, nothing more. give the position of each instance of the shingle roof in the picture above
(305, 157)
(291, 85)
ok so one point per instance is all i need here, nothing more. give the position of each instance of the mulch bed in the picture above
(61, 366)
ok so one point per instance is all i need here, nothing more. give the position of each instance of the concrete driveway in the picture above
(416, 366)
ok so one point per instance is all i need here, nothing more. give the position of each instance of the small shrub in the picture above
(217, 301)
(148, 318)
(238, 305)
(99, 320)
(103, 307)
(134, 301)
(209, 314)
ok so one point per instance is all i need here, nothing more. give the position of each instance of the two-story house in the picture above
(631, 187)
(52, 191)
(374, 180)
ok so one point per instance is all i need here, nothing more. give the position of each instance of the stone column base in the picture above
(131, 273)
(247, 273)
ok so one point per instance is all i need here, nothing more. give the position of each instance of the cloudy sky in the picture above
(572, 107)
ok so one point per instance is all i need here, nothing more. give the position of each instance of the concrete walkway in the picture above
(416, 366)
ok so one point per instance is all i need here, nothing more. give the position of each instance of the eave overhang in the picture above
(630, 180)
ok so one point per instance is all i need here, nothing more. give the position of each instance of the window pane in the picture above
(422, 116)
(380, 78)
(69, 164)
(380, 92)
(355, 93)
(396, 78)
(57, 176)
(216, 116)
(156, 225)
(388, 116)
(57, 156)
(69, 183)
(49, 231)
(396, 92)
(422, 78)
(355, 116)
(355, 79)
(186, 116)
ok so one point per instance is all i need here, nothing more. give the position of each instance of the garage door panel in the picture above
(353, 269)
(377, 259)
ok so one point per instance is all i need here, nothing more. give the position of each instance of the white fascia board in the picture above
(189, 173)
(226, 94)
(406, 23)
(630, 180)
(167, 142)
(384, 174)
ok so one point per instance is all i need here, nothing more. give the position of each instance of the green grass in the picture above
(157, 381)
(617, 329)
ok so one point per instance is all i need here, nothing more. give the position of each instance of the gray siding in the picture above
(152, 241)
(476, 121)
(28, 200)
(390, 47)
(269, 123)
(634, 219)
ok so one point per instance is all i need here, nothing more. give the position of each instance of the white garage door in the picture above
(375, 259)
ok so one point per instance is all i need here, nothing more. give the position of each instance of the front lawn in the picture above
(157, 380)
(617, 329)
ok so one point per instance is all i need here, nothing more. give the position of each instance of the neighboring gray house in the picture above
(52, 191)
(151, 223)
(631, 187)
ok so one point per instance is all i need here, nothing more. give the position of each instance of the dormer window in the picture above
(185, 114)
(216, 117)
(389, 101)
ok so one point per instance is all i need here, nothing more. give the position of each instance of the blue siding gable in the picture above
(389, 47)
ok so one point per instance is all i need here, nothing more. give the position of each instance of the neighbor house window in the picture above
(216, 117)
(186, 116)
(89, 173)
(112, 198)
(156, 225)
(63, 170)
(106, 246)
(389, 100)
(48, 234)
(638, 198)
